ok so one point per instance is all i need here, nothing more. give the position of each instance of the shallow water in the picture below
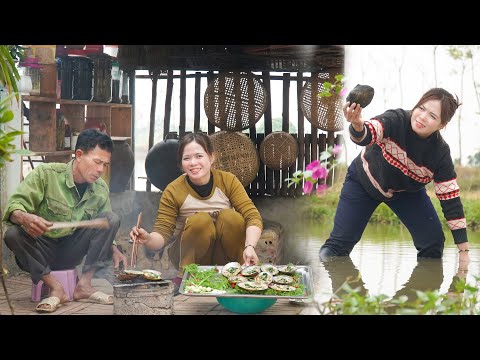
(385, 258)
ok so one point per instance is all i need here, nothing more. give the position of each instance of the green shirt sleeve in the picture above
(28, 195)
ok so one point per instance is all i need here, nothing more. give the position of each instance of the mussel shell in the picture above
(134, 272)
(237, 279)
(252, 286)
(283, 279)
(279, 287)
(251, 270)
(125, 277)
(269, 268)
(231, 269)
(289, 269)
(152, 275)
(361, 94)
(265, 277)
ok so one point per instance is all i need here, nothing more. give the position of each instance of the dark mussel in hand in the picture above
(361, 94)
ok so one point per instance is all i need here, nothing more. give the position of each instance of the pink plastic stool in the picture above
(68, 279)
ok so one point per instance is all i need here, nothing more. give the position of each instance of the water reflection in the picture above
(385, 259)
(427, 275)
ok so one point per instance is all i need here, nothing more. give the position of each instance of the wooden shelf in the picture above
(120, 138)
(52, 153)
(70, 102)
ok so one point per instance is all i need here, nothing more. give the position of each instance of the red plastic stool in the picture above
(68, 279)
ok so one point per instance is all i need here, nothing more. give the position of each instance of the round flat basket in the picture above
(279, 150)
(235, 101)
(324, 113)
(236, 153)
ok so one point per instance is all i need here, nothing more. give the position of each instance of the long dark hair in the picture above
(199, 138)
(447, 102)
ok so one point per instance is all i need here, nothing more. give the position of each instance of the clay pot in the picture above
(122, 164)
(161, 163)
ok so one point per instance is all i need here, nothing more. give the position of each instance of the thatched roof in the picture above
(306, 58)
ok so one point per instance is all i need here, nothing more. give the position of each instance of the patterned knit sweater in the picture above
(179, 201)
(396, 159)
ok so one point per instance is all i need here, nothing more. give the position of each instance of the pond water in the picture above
(385, 258)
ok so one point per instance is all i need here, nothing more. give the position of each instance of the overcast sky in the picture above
(400, 74)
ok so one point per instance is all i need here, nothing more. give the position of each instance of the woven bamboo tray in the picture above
(235, 101)
(236, 153)
(279, 150)
(324, 113)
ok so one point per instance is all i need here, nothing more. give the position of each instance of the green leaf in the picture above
(339, 77)
(324, 155)
(6, 116)
(14, 133)
(307, 173)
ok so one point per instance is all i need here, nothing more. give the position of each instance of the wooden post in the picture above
(154, 75)
(211, 127)
(168, 103)
(183, 92)
(196, 119)
(301, 131)
(268, 129)
(285, 124)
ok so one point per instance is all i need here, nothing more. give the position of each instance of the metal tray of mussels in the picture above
(305, 273)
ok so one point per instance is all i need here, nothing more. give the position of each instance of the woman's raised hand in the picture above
(139, 235)
(353, 114)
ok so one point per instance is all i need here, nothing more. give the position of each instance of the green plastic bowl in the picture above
(244, 305)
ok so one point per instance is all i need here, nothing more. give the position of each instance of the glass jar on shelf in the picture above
(32, 70)
(102, 80)
(116, 76)
(125, 88)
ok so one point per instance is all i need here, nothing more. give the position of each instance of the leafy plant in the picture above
(463, 299)
(336, 88)
(6, 138)
(316, 172)
(8, 78)
(8, 72)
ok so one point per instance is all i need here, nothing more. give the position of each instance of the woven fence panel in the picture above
(236, 153)
(235, 101)
(324, 113)
(279, 150)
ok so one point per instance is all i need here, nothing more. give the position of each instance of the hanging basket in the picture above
(279, 150)
(236, 153)
(235, 101)
(324, 113)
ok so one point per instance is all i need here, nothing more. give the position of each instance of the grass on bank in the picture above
(323, 208)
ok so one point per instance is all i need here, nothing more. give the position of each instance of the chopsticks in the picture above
(100, 223)
(133, 258)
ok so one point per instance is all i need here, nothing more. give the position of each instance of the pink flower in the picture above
(343, 92)
(313, 165)
(337, 149)
(319, 173)
(307, 187)
(321, 189)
